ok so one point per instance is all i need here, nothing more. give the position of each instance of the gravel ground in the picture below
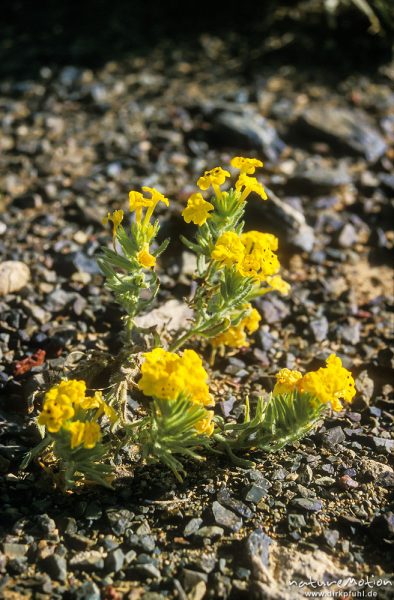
(74, 141)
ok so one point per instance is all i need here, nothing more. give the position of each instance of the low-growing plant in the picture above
(176, 419)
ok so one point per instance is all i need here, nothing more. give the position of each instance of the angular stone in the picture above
(14, 275)
(56, 567)
(225, 517)
(192, 526)
(333, 436)
(234, 504)
(308, 504)
(258, 545)
(87, 561)
(350, 129)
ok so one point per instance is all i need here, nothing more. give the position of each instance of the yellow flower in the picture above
(246, 165)
(205, 425)
(215, 178)
(330, 384)
(137, 203)
(165, 376)
(146, 259)
(85, 433)
(286, 381)
(98, 402)
(197, 210)
(59, 403)
(116, 218)
(280, 285)
(252, 321)
(259, 260)
(235, 337)
(228, 249)
(249, 184)
(156, 197)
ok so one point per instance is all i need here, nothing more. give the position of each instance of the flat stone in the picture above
(319, 328)
(255, 493)
(350, 129)
(234, 504)
(12, 550)
(347, 483)
(87, 561)
(333, 436)
(210, 531)
(225, 517)
(14, 276)
(192, 526)
(308, 504)
(248, 130)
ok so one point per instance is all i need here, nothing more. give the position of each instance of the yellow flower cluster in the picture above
(253, 255)
(166, 376)
(236, 337)
(198, 209)
(328, 384)
(68, 399)
(137, 203)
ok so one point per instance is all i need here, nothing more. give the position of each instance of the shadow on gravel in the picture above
(57, 33)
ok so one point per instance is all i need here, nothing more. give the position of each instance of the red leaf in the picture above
(25, 364)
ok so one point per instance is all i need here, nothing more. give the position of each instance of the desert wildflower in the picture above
(145, 258)
(84, 433)
(330, 384)
(205, 426)
(259, 260)
(197, 210)
(156, 197)
(59, 404)
(137, 202)
(116, 218)
(246, 184)
(166, 376)
(278, 284)
(228, 249)
(235, 336)
(286, 381)
(215, 178)
(246, 165)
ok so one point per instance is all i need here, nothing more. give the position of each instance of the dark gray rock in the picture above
(192, 578)
(295, 521)
(119, 520)
(114, 561)
(225, 517)
(234, 504)
(308, 504)
(350, 129)
(319, 328)
(331, 537)
(248, 130)
(333, 436)
(192, 526)
(56, 567)
(258, 546)
(256, 492)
